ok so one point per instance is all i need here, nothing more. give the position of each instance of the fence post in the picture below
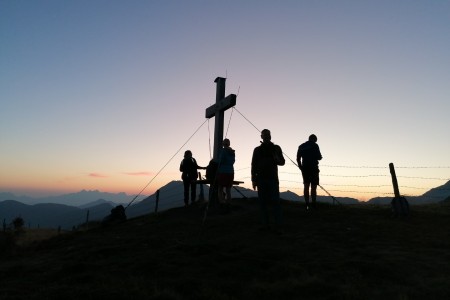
(400, 206)
(157, 201)
(87, 219)
(394, 180)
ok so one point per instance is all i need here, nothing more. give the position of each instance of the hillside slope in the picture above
(336, 252)
(51, 215)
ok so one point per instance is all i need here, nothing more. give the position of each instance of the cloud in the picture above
(139, 173)
(97, 175)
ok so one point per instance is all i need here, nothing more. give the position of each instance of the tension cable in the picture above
(287, 156)
(166, 164)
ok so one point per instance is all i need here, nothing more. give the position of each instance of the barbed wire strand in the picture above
(380, 167)
(172, 197)
(325, 166)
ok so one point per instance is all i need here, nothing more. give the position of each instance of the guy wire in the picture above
(229, 121)
(166, 164)
(247, 120)
(286, 155)
(209, 140)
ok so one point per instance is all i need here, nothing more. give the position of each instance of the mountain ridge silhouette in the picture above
(54, 215)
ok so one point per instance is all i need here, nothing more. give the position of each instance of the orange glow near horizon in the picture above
(111, 118)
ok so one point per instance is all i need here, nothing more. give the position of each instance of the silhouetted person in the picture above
(225, 174)
(265, 161)
(211, 171)
(189, 169)
(117, 215)
(211, 176)
(308, 156)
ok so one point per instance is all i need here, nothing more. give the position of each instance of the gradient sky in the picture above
(99, 95)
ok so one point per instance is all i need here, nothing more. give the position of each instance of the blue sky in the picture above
(101, 94)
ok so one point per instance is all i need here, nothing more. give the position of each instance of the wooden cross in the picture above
(217, 110)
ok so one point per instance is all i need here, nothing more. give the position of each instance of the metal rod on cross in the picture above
(217, 110)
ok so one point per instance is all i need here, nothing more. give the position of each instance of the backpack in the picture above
(189, 169)
(211, 170)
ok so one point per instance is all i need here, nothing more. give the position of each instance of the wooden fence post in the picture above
(87, 219)
(400, 206)
(394, 180)
(157, 201)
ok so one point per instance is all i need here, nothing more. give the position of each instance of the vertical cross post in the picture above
(219, 116)
(217, 110)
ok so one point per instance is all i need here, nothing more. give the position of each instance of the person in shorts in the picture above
(308, 156)
(225, 174)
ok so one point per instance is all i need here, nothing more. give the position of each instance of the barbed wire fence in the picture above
(343, 185)
(372, 181)
(369, 181)
(362, 183)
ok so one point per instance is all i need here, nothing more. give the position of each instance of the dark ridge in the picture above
(334, 252)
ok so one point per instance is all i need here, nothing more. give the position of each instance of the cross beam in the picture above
(217, 110)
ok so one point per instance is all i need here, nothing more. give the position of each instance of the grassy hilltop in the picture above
(336, 252)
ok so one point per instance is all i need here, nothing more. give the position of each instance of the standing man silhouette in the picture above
(308, 156)
(265, 161)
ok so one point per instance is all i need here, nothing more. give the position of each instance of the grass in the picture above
(336, 252)
(27, 236)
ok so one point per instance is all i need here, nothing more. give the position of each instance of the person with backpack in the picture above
(308, 156)
(189, 175)
(225, 174)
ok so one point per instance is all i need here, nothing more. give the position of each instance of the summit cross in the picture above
(217, 110)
